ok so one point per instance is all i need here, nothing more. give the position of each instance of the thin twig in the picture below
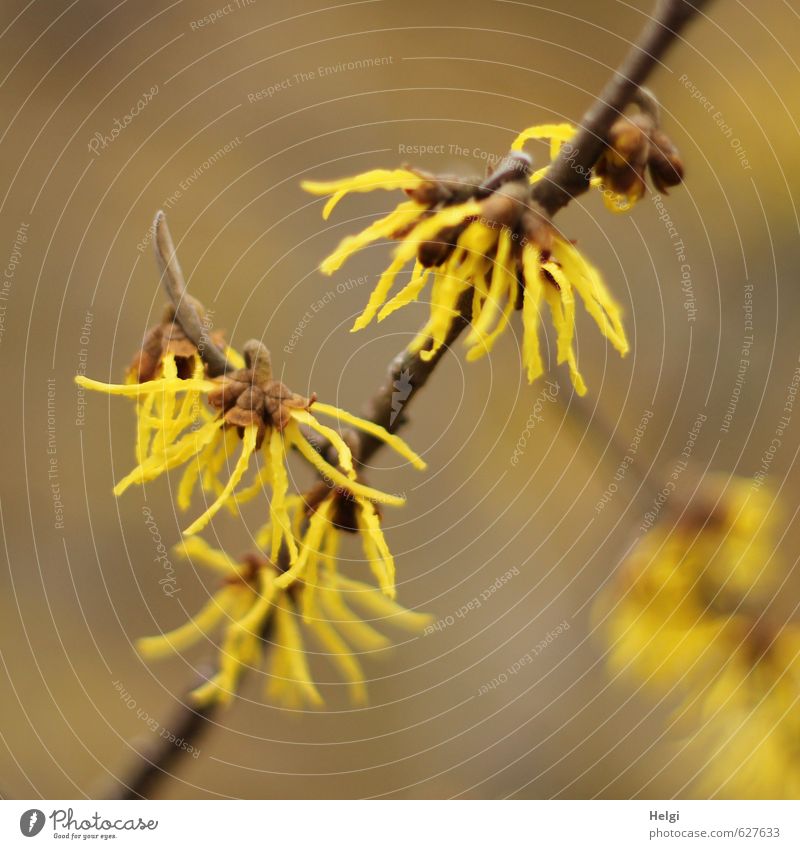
(410, 370)
(190, 725)
(156, 760)
(569, 174)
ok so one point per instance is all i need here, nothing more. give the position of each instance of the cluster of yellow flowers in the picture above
(295, 570)
(488, 250)
(686, 616)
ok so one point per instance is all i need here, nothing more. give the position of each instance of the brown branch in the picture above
(567, 177)
(158, 757)
(190, 725)
(569, 174)
(406, 369)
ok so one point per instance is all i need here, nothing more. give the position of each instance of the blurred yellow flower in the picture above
(750, 731)
(263, 620)
(685, 615)
(485, 241)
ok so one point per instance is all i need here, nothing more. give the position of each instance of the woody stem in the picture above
(414, 372)
(155, 762)
(568, 176)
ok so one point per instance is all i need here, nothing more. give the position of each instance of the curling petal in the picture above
(391, 439)
(248, 446)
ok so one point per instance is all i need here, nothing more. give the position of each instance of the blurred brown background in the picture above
(274, 84)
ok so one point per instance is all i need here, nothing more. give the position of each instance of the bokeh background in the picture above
(324, 90)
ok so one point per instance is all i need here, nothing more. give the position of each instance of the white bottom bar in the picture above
(403, 824)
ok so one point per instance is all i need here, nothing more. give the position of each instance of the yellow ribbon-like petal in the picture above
(391, 439)
(248, 446)
(378, 178)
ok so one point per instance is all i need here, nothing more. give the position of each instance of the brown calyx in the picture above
(506, 203)
(759, 639)
(251, 396)
(635, 145)
(168, 337)
(441, 189)
(343, 516)
(254, 562)
(666, 165)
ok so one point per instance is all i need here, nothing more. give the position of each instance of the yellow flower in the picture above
(262, 620)
(685, 615)
(254, 409)
(482, 240)
(680, 584)
(168, 354)
(750, 732)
